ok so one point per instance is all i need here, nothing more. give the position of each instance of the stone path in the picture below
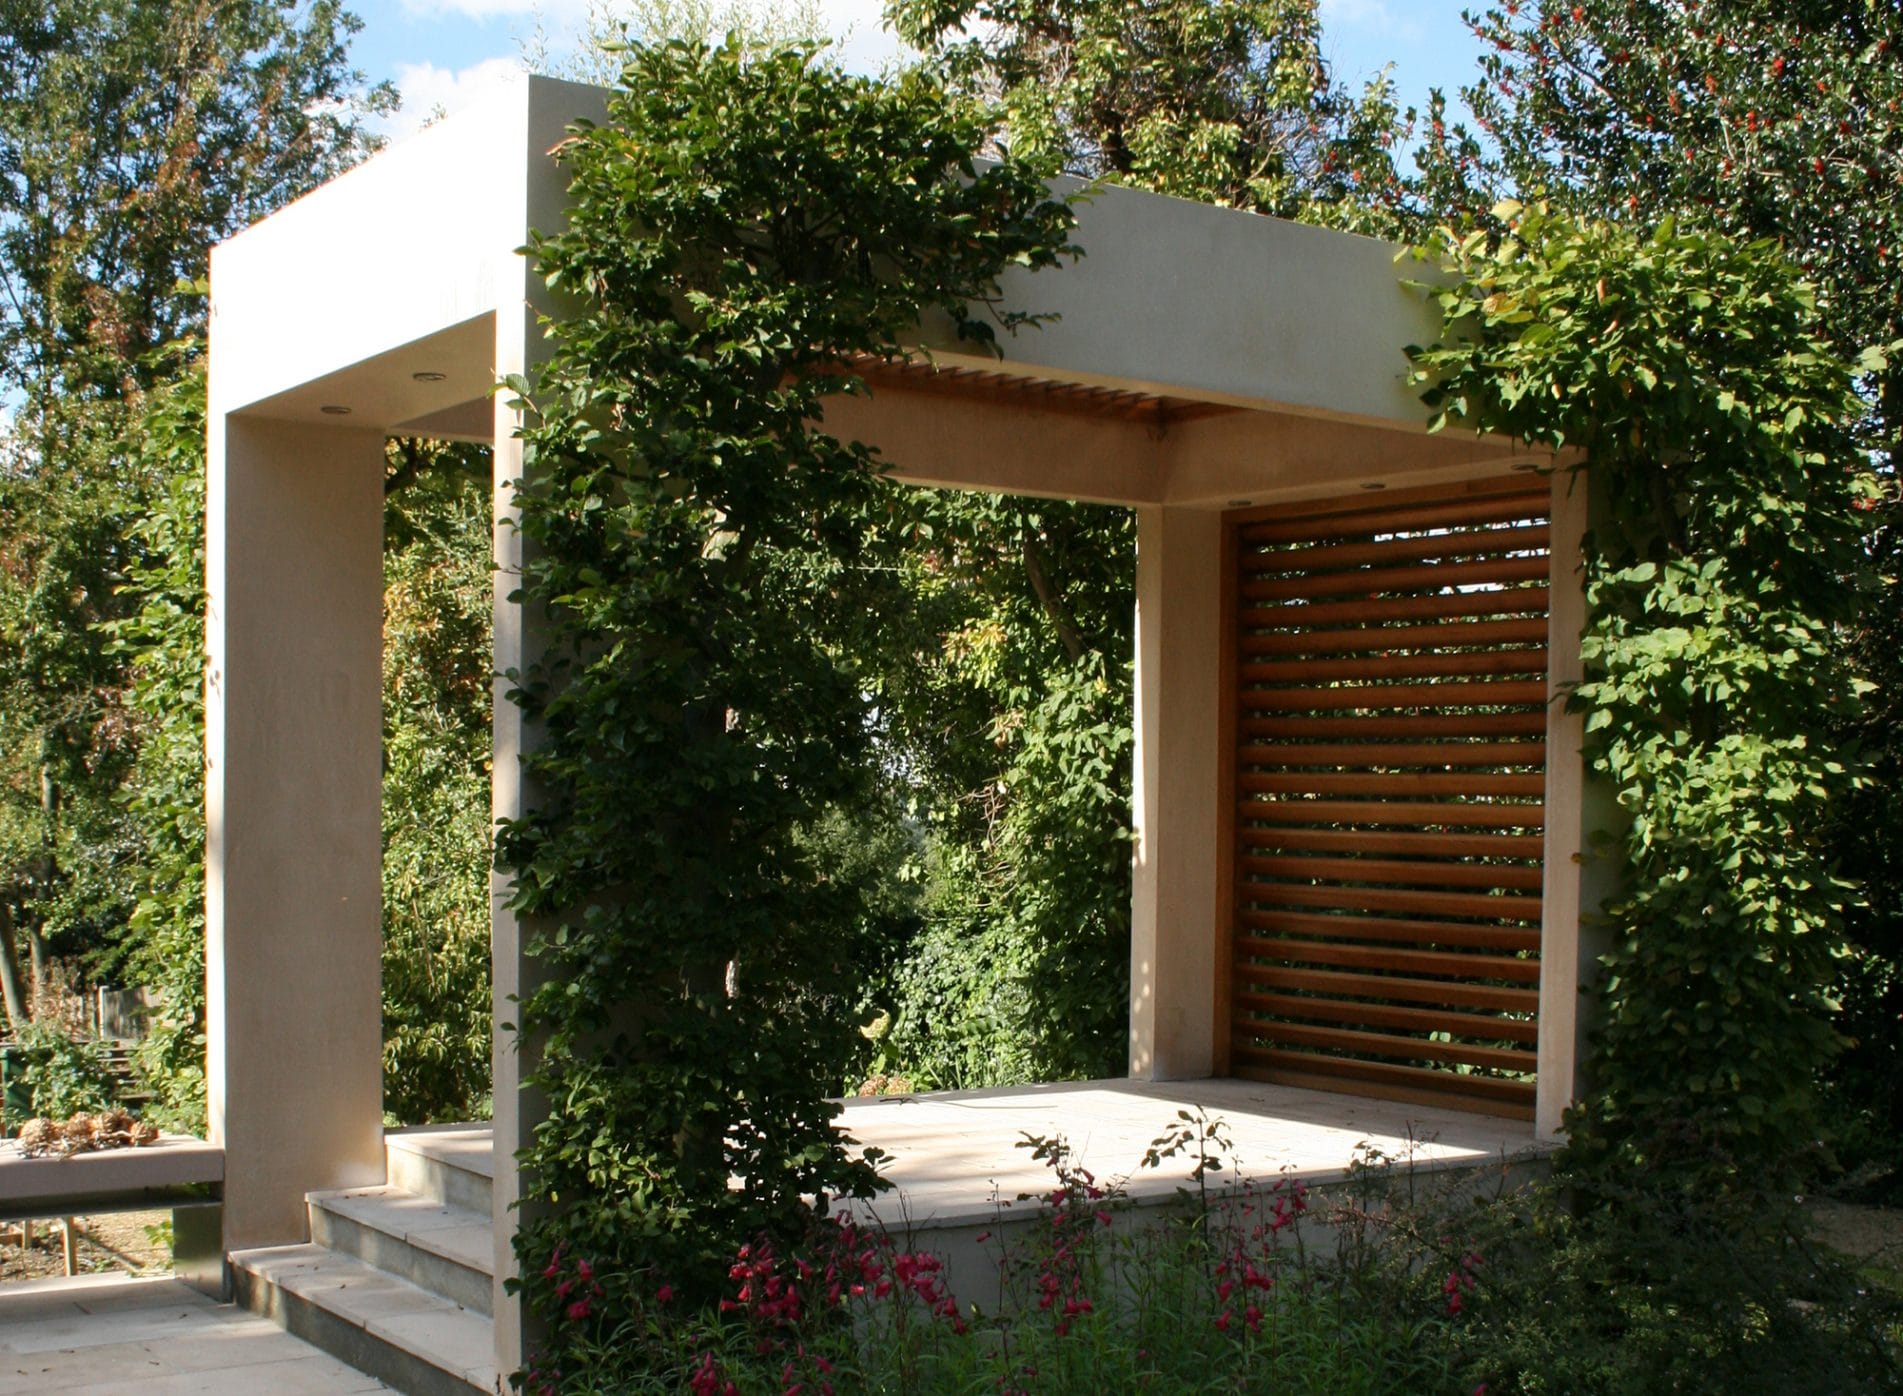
(113, 1335)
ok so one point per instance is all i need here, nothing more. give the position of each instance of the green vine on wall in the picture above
(1687, 372)
(744, 227)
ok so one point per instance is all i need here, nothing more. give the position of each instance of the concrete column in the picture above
(1173, 931)
(522, 301)
(1577, 809)
(516, 1110)
(293, 729)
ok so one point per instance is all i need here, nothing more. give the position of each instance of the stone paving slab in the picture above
(954, 1154)
(117, 1334)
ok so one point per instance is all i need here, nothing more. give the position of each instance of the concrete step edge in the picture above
(449, 1165)
(446, 1251)
(414, 1341)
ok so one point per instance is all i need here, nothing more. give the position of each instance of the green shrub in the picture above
(63, 1075)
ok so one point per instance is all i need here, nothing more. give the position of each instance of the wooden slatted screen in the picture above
(1390, 719)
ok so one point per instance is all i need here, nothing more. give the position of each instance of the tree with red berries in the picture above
(1764, 119)
(1778, 119)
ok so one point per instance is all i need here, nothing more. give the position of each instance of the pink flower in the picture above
(1222, 1323)
(664, 1295)
(580, 1310)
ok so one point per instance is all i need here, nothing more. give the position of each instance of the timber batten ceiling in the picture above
(1388, 682)
(922, 375)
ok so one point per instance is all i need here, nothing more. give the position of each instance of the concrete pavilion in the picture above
(1357, 805)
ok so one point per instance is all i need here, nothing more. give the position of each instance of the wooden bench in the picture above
(181, 1173)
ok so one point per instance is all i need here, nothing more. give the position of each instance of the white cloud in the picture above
(1373, 16)
(556, 12)
(430, 92)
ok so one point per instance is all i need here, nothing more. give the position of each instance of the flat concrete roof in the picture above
(410, 265)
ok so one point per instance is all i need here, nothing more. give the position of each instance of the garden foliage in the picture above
(1227, 103)
(1761, 119)
(745, 227)
(438, 590)
(1684, 372)
(161, 641)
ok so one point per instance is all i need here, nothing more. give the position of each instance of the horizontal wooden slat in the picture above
(1396, 695)
(1411, 872)
(1391, 958)
(1413, 547)
(1419, 1085)
(1382, 638)
(1399, 785)
(1507, 906)
(1460, 814)
(1394, 930)
(1487, 1027)
(1416, 726)
(1381, 1044)
(1407, 843)
(1424, 496)
(1372, 581)
(1428, 665)
(1386, 851)
(1481, 601)
(1384, 517)
(1499, 997)
(1370, 755)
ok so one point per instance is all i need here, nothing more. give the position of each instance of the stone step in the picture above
(447, 1250)
(417, 1342)
(454, 1164)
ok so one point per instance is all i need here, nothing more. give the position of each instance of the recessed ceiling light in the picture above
(333, 409)
(429, 375)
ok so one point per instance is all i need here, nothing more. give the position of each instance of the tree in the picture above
(133, 135)
(1225, 101)
(1767, 120)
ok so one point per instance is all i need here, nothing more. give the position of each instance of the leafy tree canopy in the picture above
(133, 135)
(1766, 118)
(1225, 101)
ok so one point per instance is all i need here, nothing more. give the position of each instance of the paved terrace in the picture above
(113, 1335)
(955, 1155)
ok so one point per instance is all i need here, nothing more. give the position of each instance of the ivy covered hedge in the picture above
(745, 228)
(1686, 372)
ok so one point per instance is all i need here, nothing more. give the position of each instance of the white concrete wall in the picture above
(538, 202)
(1174, 931)
(1179, 297)
(293, 797)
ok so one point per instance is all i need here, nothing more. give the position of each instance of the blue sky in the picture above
(442, 53)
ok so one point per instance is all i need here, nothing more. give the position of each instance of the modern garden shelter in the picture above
(1358, 805)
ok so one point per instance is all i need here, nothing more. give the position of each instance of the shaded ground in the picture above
(118, 1241)
(1871, 1236)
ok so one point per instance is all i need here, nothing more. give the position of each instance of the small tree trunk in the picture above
(11, 984)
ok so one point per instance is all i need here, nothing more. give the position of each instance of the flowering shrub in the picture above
(1220, 1292)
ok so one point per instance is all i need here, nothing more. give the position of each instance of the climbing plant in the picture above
(1686, 373)
(162, 642)
(744, 230)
